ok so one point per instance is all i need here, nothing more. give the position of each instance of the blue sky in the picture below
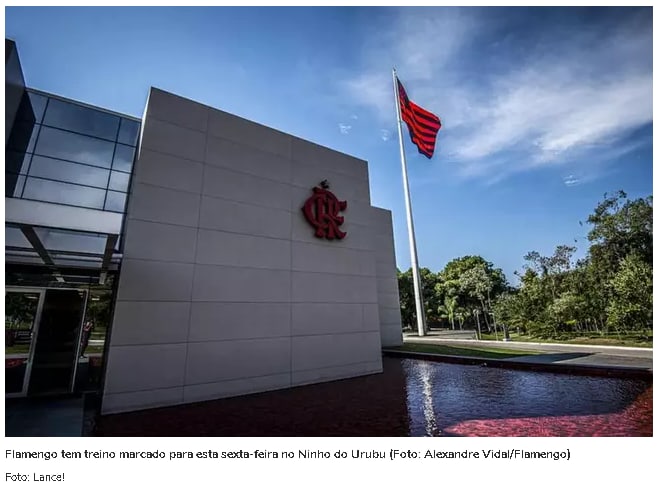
(543, 109)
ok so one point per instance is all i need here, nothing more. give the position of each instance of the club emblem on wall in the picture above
(321, 211)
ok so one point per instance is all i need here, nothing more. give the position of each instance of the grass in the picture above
(17, 349)
(629, 341)
(493, 353)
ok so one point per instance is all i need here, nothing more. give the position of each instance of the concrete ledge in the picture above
(570, 369)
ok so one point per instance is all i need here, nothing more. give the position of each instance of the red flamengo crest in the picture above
(321, 211)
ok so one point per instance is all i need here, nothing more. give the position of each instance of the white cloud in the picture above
(385, 134)
(344, 128)
(571, 180)
(570, 93)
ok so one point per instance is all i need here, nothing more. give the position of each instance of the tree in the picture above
(477, 283)
(609, 288)
(508, 310)
(552, 268)
(407, 303)
(431, 301)
(450, 304)
(457, 281)
(408, 299)
(631, 306)
(621, 229)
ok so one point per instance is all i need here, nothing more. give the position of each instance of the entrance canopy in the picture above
(60, 238)
(61, 248)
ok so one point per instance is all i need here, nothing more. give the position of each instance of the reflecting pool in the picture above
(459, 400)
(417, 398)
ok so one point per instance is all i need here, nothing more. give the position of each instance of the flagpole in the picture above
(420, 311)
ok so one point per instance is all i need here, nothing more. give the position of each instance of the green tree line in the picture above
(609, 291)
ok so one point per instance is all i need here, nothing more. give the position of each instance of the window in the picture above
(32, 107)
(48, 168)
(66, 153)
(23, 136)
(123, 158)
(81, 119)
(119, 181)
(74, 147)
(116, 201)
(17, 162)
(14, 185)
(62, 193)
(128, 132)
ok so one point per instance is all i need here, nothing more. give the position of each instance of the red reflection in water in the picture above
(457, 400)
(636, 420)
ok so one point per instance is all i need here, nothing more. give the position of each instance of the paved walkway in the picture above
(555, 353)
(44, 417)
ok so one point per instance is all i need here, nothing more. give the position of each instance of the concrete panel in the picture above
(251, 160)
(317, 375)
(331, 288)
(386, 269)
(230, 249)
(246, 188)
(391, 336)
(174, 140)
(139, 322)
(231, 321)
(227, 126)
(331, 258)
(313, 155)
(390, 316)
(155, 281)
(168, 171)
(387, 285)
(382, 220)
(327, 318)
(123, 402)
(225, 283)
(177, 110)
(145, 367)
(230, 388)
(345, 187)
(370, 317)
(229, 360)
(223, 215)
(162, 242)
(314, 352)
(389, 300)
(384, 247)
(151, 203)
(358, 236)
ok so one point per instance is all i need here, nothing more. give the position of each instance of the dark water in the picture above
(413, 397)
(460, 400)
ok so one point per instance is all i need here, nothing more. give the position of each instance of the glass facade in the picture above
(65, 153)
(60, 283)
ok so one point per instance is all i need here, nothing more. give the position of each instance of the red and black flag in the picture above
(423, 125)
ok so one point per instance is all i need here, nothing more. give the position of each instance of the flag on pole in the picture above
(423, 125)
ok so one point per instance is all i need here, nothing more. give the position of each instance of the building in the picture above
(184, 256)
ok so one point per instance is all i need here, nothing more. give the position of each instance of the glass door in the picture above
(22, 313)
(57, 345)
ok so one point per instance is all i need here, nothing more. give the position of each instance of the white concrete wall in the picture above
(390, 321)
(224, 290)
